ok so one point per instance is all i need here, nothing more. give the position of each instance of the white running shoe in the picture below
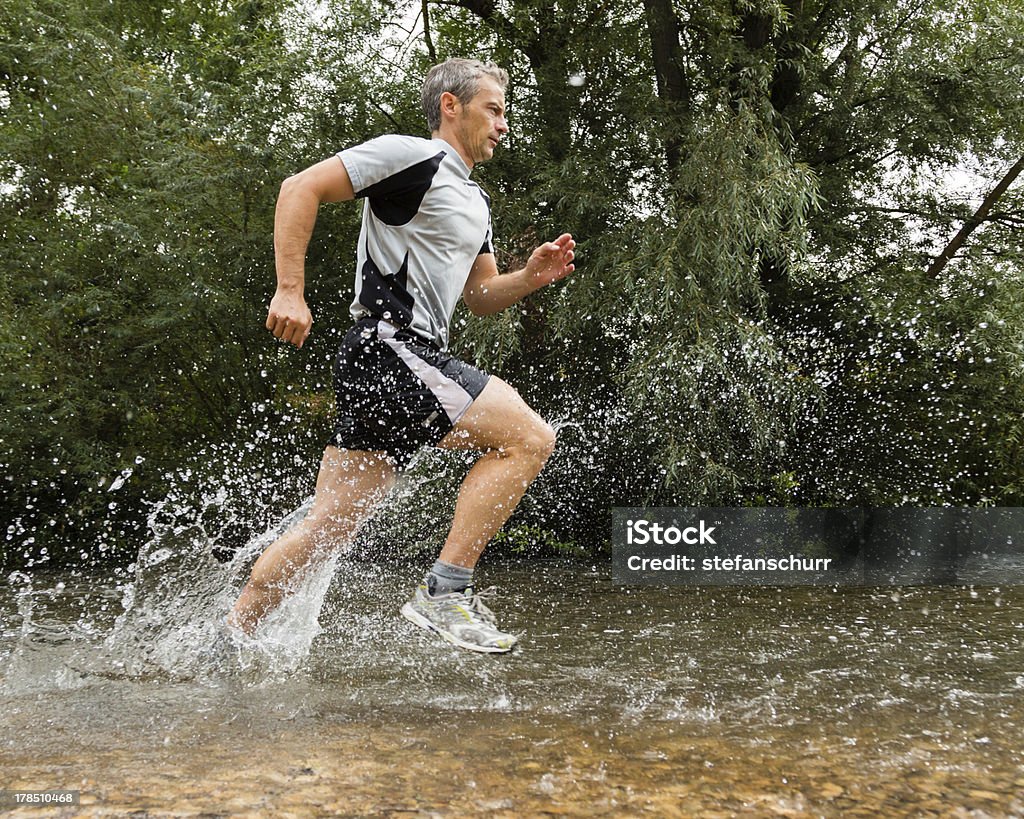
(461, 618)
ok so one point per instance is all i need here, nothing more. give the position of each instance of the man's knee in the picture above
(538, 440)
(334, 526)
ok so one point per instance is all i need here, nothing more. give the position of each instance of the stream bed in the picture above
(800, 701)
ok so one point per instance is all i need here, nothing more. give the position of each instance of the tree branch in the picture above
(924, 214)
(384, 111)
(971, 224)
(1003, 217)
(426, 33)
(487, 11)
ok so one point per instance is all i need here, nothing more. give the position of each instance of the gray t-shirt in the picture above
(424, 224)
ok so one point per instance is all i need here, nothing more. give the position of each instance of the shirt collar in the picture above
(455, 155)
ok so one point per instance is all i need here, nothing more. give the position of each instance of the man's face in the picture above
(480, 123)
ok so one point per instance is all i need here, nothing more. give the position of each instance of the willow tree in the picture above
(788, 291)
(142, 149)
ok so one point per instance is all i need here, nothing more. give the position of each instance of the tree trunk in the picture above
(673, 89)
(544, 50)
(756, 30)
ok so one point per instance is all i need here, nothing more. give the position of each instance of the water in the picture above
(756, 701)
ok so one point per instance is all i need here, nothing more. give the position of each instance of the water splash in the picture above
(164, 616)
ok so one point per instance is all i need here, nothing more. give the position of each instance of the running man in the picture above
(425, 240)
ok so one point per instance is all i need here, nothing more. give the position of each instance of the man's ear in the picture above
(450, 104)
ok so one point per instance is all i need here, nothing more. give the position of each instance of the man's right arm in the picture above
(289, 318)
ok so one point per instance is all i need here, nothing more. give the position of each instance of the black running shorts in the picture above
(396, 392)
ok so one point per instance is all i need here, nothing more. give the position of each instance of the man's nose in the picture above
(501, 126)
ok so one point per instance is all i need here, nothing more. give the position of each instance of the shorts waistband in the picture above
(401, 333)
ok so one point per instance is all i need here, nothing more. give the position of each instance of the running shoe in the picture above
(461, 618)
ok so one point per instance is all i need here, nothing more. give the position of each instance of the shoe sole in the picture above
(415, 617)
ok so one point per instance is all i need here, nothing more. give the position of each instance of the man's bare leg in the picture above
(517, 443)
(350, 484)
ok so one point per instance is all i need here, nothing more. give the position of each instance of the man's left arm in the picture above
(487, 292)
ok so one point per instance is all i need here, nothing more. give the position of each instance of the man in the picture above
(425, 240)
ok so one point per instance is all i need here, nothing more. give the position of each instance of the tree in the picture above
(768, 307)
(142, 151)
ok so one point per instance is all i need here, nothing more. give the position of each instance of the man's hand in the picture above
(289, 318)
(550, 262)
(328, 181)
(486, 292)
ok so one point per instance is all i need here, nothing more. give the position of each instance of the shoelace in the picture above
(476, 605)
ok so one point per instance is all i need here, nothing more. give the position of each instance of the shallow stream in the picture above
(620, 702)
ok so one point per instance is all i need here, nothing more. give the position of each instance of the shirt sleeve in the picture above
(378, 160)
(488, 245)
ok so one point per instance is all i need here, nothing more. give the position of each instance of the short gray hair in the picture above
(459, 77)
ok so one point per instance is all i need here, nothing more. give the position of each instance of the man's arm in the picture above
(289, 318)
(488, 292)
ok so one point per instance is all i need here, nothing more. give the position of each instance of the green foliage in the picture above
(533, 540)
(140, 163)
(750, 321)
